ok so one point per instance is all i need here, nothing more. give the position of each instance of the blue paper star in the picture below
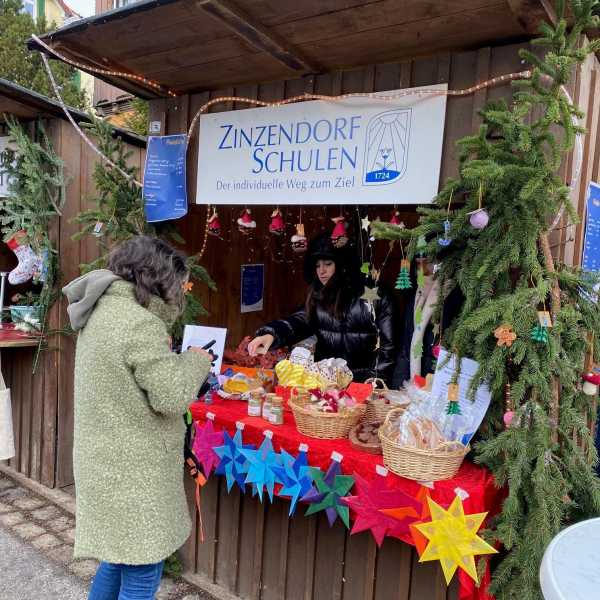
(295, 477)
(260, 472)
(234, 464)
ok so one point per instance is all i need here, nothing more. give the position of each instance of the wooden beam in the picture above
(530, 13)
(257, 35)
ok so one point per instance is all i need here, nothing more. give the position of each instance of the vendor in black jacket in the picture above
(335, 313)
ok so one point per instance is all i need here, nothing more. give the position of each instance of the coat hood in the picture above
(83, 293)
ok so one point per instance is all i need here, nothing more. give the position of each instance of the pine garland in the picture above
(505, 273)
(36, 197)
(119, 215)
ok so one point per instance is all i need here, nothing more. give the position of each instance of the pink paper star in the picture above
(205, 440)
(371, 499)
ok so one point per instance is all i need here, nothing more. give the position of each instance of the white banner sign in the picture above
(354, 151)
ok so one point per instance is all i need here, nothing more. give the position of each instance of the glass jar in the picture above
(276, 416)
(255, 406)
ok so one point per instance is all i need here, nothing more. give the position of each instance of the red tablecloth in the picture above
(476, 481)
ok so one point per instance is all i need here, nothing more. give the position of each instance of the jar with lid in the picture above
(266, 407)
(255, 405)
(276, 416)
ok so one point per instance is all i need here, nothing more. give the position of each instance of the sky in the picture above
(84, 7)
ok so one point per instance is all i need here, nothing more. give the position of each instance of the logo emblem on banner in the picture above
(388, 136)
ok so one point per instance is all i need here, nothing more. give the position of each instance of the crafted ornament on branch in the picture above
(395, 219)
(214, 224)
(339, 235)
(479, 218)
(403, 281)
(277, 224)
(328, 491)
(505, 336)
(453, 538)
(298, 240)
(246, 224)
(30, 264)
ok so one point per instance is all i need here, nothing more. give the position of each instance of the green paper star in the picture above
(331, 489)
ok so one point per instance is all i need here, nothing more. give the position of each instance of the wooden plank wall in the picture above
(43, 403)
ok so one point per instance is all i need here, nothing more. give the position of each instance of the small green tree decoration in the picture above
(36, 197)
(505, 272)
(118, 215)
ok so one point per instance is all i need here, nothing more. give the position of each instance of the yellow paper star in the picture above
(453, 538)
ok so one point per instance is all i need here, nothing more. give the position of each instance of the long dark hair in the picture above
(153, 266)
(345, 285)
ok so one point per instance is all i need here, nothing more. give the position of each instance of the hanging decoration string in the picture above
(85, 138)
(137, 78)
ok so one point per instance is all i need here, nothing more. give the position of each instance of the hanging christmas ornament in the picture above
(29, 263)
(277, 225)
(453, 407)
(395, 219)
(403, 282)
(298, 240)
(539, 334)
(365, 223)
(509, 409)
(453, 538)
(479, 218)
(365, 268)
(246, 223)
(421, 246)
(505, 336)
(214, 224)
(446, 240)
(591, 381)
(339, 236)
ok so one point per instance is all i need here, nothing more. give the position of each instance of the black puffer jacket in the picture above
(352, 336)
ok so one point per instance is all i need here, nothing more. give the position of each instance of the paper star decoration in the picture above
(260, 471)
(233, 464)
(206, 439)
(371, 503)
(295, 476)
(370, 295)
(453, 538)
(365, 223)
(330, 488)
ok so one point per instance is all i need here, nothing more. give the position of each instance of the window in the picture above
(29, 7)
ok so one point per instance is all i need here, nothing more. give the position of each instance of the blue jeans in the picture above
(126, 582)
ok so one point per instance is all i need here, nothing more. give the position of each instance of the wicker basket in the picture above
(327, 426)
(377, 407)
(417, 464)
(356, 443)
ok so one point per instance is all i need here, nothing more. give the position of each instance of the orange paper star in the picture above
(505, 336)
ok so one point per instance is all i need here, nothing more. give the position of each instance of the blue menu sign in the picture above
(165, 193)
(253, 283)
(591, 246)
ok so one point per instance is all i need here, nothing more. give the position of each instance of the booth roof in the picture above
(27, 104)
(195, 45)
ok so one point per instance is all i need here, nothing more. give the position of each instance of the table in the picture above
(475, 484)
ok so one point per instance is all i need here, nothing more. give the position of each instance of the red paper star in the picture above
(372, 498)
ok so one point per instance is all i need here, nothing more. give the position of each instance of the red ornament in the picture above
(370, 505)
(214, 224)
(277, 225)
(395, 220)
(246, 223)
(339, 236)
(508, 417)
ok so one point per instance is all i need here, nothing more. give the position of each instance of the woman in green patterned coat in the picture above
(131, 393)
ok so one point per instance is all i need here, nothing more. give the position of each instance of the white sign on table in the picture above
(351, 151)
(200, 336)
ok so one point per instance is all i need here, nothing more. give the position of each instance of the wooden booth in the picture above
(277, 49)
(43, 402)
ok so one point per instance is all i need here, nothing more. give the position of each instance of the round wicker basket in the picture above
(327, 426)
(377, 407)
(362, 446)
(417, 464)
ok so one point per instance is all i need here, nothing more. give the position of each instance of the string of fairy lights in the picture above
(418, 94)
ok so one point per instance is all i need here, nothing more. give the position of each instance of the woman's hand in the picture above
(260, 344)
(202, 352)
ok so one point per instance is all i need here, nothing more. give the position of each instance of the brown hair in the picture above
(153, 266)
